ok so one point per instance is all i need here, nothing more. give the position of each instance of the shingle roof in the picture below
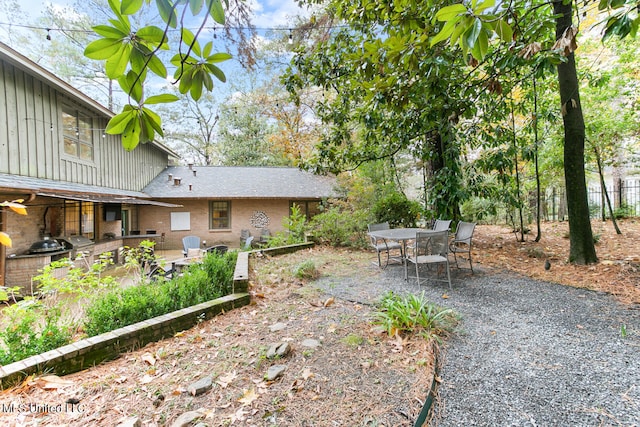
(240, 183)
(73, 191)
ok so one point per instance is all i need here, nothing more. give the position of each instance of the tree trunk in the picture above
(537, 169)
(581, 246)
(605, 193)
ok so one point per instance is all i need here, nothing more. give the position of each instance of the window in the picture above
(79, 219)
(308, 208)
(219, 215)
(78, 135)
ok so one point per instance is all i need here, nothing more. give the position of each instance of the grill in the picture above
(45, 246)
(76, 244)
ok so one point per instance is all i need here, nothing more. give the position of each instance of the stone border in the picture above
(89, 352)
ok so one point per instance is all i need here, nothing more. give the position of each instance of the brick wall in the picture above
(242, 211)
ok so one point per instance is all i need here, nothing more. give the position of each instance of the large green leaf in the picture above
(206, 80)
(196, 6)
(102, 48)
(137, 59)
(216, 11)
(164, 98)
(196, 85)
(167, 13)
(445, 32)
(185, 80)
(116, 65)
(129, 7)
(472, 33)
(157, 66)
(190, 40)
(504, 31)
(216, 72)
(207, 49)
(450, 12)
(219, 57)
(119, 122)
(121, 25)
(154, 120)
(131, 135)
(109, 32)
(151, 35)
(132, 85)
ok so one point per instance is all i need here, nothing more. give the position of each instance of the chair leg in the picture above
(448, 275)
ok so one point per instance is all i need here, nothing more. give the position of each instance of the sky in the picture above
(269, 13)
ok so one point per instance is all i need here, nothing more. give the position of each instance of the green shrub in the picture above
(397, 210)
(624, 211)
(337, 227)
(32, 328)
(296, 228)
(414, 314)
(202, 282)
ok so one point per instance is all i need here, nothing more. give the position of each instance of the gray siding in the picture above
(32, 142)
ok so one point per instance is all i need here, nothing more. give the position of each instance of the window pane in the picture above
(220, 215)
(69, 123)
(78, 133)
(86, 152)
(70, 146)
(84, 128)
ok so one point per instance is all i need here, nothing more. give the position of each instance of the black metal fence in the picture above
(624, 196)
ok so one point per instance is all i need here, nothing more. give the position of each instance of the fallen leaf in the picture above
(225, 380)
(120, 379)
(238, 416)
(148, 357)
(179, 334)
(52, 382)
(146, 379)
(306, 373)
(445, 296)
(248, 397)
(332, 328)
(329, 301)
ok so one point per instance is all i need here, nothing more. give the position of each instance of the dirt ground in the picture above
(357, 376)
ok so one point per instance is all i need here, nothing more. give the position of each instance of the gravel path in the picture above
(529, 353)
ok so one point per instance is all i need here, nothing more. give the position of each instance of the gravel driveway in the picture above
(528, 353)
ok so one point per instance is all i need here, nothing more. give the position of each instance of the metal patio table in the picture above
(400, 235)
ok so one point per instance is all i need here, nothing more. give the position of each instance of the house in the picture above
(216, 203)
(77, 182)
(84, 192)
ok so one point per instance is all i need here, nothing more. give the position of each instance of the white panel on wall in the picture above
(180, 221)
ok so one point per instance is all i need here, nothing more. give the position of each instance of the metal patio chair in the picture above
(431, 248)
(384, 245)
(441, 225)
(461, 243)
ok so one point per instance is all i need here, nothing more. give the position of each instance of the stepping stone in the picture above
(277, 327)
(274, 372)
(311, 343)
(201, 386)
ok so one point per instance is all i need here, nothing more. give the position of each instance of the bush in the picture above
(624, 211)
(32, 329)
(209, 280)
(336, 227)
(397, 210)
